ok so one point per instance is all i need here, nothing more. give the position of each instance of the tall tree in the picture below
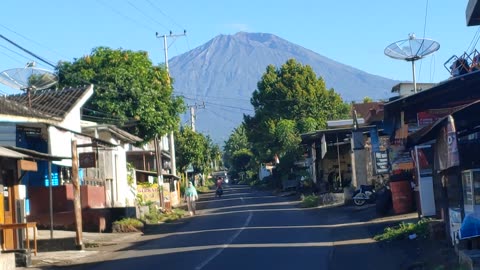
(237, 151)
(128, 87)
(197, 150)
(289, 101)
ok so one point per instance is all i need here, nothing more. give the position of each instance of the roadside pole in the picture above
(76, 197)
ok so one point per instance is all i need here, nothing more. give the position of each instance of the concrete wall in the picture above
(7, 261)
(91, 197)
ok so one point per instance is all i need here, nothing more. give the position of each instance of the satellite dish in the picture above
(411, 50)
(28, 79)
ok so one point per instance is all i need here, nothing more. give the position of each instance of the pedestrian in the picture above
(191, 196)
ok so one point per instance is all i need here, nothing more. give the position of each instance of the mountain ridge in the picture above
(224, 72)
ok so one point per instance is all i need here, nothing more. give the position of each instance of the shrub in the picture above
(403, 230)
(310, 201)
(127, 225)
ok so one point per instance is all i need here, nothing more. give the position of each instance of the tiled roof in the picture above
(10, 107)
(54, 103)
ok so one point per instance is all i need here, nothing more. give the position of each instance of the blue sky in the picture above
(351, 32)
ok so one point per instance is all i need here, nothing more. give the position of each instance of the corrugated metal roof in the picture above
(4, 152)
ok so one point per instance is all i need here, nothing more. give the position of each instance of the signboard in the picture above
(149, 193)
(87, 160)
(26, 165)
(380, 160)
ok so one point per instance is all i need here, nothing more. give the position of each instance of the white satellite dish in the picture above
(411, 50)
(28, 79)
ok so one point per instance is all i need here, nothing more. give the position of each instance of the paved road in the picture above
(248, 229)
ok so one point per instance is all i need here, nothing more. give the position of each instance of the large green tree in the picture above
(237, 151)
(289, 101)
(128, 89)
(197, 150)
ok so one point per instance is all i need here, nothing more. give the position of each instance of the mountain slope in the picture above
(224, 72)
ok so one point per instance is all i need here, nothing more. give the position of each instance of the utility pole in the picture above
(76, 198)
(171, 140)
(192, 114)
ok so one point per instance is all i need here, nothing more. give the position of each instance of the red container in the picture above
(402, 197)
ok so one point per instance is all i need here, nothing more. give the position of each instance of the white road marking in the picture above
(230, 240)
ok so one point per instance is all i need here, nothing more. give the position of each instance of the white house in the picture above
(112, 163)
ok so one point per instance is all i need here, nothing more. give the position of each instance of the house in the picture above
(112, 163)
(45, 123)
(337, 156)
(13, 165)
(144, 161)
(404, 89)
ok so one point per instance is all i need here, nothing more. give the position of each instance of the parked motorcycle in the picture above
(366, 193)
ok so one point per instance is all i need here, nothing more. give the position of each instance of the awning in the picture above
(154, 173)
(466, 122)
(34, 154)
(5, 152)
(331, 134)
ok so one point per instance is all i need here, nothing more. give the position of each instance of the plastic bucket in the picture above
(402, 197)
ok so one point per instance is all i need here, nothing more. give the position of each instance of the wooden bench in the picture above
(16, 226)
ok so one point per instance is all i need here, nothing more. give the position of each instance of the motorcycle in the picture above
(366, 193)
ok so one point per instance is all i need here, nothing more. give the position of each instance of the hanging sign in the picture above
(380, 160)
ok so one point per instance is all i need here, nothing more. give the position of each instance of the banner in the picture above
(447, 146)
(324, 146)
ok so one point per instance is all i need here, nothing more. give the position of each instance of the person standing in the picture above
(191, 196)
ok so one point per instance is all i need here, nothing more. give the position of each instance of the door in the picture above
(7, 180)
(424, 165)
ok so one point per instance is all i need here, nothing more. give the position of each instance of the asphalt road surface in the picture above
(248, 229)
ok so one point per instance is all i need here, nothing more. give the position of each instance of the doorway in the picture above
(7, 180)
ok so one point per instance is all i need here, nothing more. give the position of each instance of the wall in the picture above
(91, 197)
(7, 134)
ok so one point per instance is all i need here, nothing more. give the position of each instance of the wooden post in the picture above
(76, 197)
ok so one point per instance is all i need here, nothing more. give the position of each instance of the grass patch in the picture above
(127, 225)
(129, 222)
(203, 189)
(403, 230)
(310, 201)
(172, 216)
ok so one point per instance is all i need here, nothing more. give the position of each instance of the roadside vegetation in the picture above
(127, 225)
(404, 230)
(290, 100)
(155, 216)
(207, 186)
(310, 201)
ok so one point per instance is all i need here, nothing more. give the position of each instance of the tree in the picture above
(190, 149)
(128, 90)
(197, 150)
(236, 144)
(287, 102)
(367, 100)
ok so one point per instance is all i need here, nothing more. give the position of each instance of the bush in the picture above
(172, 216)
(127, 225)
(156, 216)
(310, 201)
(403, 230)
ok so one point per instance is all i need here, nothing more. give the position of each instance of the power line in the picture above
(126, 17)
(27, 51)
(9, 56)
(163, 13)
(31, 40)
(146, 15)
